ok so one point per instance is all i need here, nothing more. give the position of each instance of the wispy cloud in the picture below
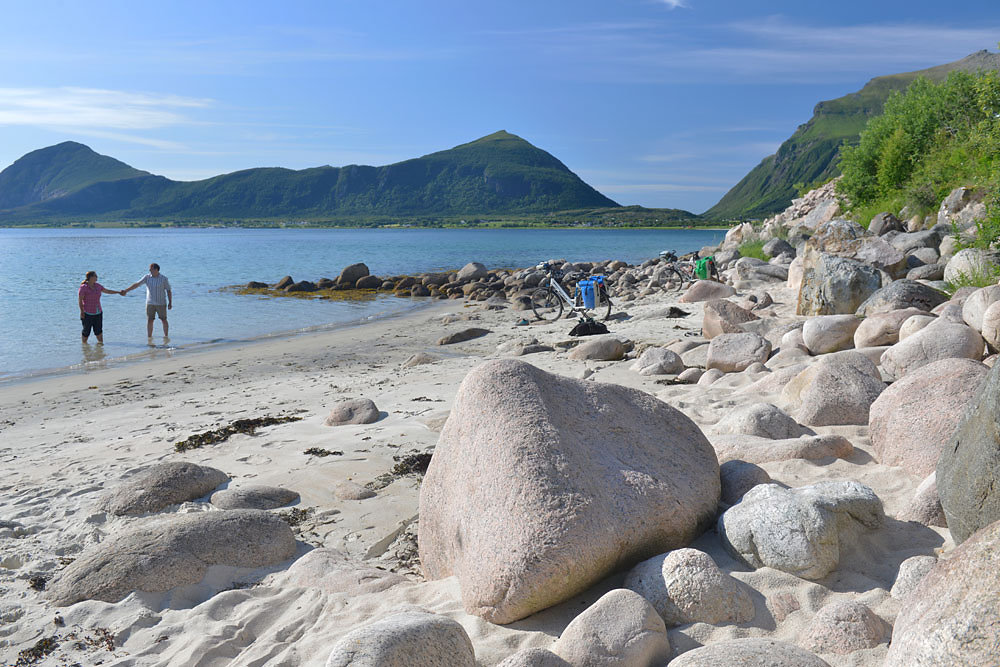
(766, 50)
(89, 108)
(674, 4)
(668, 157)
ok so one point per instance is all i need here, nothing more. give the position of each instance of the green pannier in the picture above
(703, 267)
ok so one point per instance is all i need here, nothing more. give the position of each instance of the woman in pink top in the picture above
(91, 315)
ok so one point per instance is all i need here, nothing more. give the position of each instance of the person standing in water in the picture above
(89, 298)
(159, 298)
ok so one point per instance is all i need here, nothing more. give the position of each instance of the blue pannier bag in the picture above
(586, 288)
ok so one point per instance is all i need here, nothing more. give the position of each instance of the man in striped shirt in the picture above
(159, 298)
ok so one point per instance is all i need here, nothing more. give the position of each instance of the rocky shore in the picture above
(794, 466)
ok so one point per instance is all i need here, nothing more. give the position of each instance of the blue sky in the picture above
(655, 102)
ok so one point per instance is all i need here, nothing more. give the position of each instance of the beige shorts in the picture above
(152, 312)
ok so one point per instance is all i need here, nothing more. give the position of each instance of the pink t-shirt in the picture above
(91, 298)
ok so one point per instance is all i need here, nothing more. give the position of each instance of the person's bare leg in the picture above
(166, 328)
(149, 328)
(100, 338)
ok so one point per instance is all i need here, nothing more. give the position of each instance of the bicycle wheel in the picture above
(673, 280)
(546, 304)
(602, 309)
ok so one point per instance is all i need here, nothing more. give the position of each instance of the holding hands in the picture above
(122, 292)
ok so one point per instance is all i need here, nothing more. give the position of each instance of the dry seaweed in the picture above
(38, 582)
(319, 451)
(42, 648)
(295, 516)
(411, 464)
(215, 436)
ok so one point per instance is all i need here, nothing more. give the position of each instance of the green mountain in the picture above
(811, 155)
(497, 174)
(58, 171)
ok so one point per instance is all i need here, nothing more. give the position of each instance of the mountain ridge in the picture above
(500, 173)
(811, 155)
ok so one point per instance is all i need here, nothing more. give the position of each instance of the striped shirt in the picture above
(156, 289)
(91, 297)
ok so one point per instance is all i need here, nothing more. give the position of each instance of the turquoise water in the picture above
(41, 269)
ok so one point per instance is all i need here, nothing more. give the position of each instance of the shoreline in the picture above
(394, 227)
(160, 353)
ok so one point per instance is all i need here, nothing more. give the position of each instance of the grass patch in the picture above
(982, 276)
(754, 249)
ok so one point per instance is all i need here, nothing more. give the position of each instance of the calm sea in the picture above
(41, 269)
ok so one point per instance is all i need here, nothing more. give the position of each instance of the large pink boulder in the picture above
(541, 486)
(941, 339)
(912, 420)
(951, 617)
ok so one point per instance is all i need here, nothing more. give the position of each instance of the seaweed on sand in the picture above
(411, 464)
(38, 652)
(247, 426)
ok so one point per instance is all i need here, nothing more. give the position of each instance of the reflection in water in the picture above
(94, 355)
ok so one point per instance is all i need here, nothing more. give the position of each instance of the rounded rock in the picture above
(619, 630)
(845, 627)
(353, 411)
(749, 652)
(405, 639)
(686, 586)
(254, 497)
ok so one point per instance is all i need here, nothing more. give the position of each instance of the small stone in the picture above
(738, 477)
(925, 507)
(829, 333)
(686, 586)
(845, 627)
(760, 419)
(749, 652)
(353, 411)
(599, 348)
(706, 290)
(254, 497)
(419, 359)
(161, 485)
(534, 657)
(911, 573)
(691, 375)
(619, 630)
(348, 490)
(733, 353)
(765, 450)
(463, 335)
(405, 639)
(658, 361)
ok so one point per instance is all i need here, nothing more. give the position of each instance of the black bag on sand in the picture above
(588, 327)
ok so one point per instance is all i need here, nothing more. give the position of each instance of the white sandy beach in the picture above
(66, 439)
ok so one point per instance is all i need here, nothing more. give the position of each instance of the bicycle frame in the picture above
(558, 289)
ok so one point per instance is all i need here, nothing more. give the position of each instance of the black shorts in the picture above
(95, 322)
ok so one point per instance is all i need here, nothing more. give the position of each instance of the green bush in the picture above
(929, 140)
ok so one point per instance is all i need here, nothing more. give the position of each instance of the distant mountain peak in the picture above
(56, 171)
(500, 173)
